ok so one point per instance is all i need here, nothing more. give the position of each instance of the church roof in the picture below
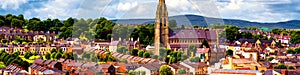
(193, 34)
(190, 34)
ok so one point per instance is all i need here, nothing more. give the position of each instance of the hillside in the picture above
(188, 20)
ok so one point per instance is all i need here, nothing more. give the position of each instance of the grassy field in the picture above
(31, 59)
(2, 65)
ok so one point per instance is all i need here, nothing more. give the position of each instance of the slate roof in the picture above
(38, 61)
(182, 45)
(190, 34)
(114, 43)
(196, 65)
(247, 40)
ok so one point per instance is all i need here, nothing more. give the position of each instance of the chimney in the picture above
(284, 72)
(230, 61)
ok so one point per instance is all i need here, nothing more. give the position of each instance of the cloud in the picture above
(126, 6)
(234, 4)
(12, 4)
(252, 10)
(55, 9)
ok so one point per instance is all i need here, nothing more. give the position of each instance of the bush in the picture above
(134, 52)
(146, 55)
(270, 59)
(195, 59)
(140, 53)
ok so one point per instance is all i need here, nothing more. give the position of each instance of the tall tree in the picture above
(295, 36)
(205, 44)
(232, 33)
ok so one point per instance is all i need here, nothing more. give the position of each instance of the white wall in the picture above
(148, 72)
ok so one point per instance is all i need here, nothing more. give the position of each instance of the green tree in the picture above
(140, 53)
(290, 51)
(162, 52)
(65, 55)
(53, 55)
(53, 50)
(195, 26)
(16, 23)
(146, 55)
(295, 36)
(134, 52)
(122, 49)
(131, 72)
(67, 73)
(205, 44)
(27, 55)
(229, 52)
(282, 66)
(165, 70)
(58, 55)
(35, 53)
(48, 56)
(232, 33)
(276, 31)
(270, 59)
(192, 49)
(194, 59)
(279, 44)
(60, 50)
(181, 71)
(291, 67)
(4, 41)
(246, 35)
(297, 50)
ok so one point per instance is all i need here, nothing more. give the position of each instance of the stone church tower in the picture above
(161, 27)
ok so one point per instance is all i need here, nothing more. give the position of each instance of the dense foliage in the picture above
(165, 70)
(13, 58)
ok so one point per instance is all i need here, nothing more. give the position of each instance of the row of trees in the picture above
(293, 51)
(56, 54)
(295, 35)
(7, 59)
(171, 57)
(140, 53)
(282, 66)
(93, 57)
(232, 33)
(89, 29)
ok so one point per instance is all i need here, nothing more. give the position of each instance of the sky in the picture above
(250, 10)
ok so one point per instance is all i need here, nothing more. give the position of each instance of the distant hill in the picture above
(189, 20)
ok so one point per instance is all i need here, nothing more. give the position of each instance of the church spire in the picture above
(161, 27)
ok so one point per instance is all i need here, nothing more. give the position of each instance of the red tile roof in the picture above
(202, 50)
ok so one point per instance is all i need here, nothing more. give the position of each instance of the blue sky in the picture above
(251, 10)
